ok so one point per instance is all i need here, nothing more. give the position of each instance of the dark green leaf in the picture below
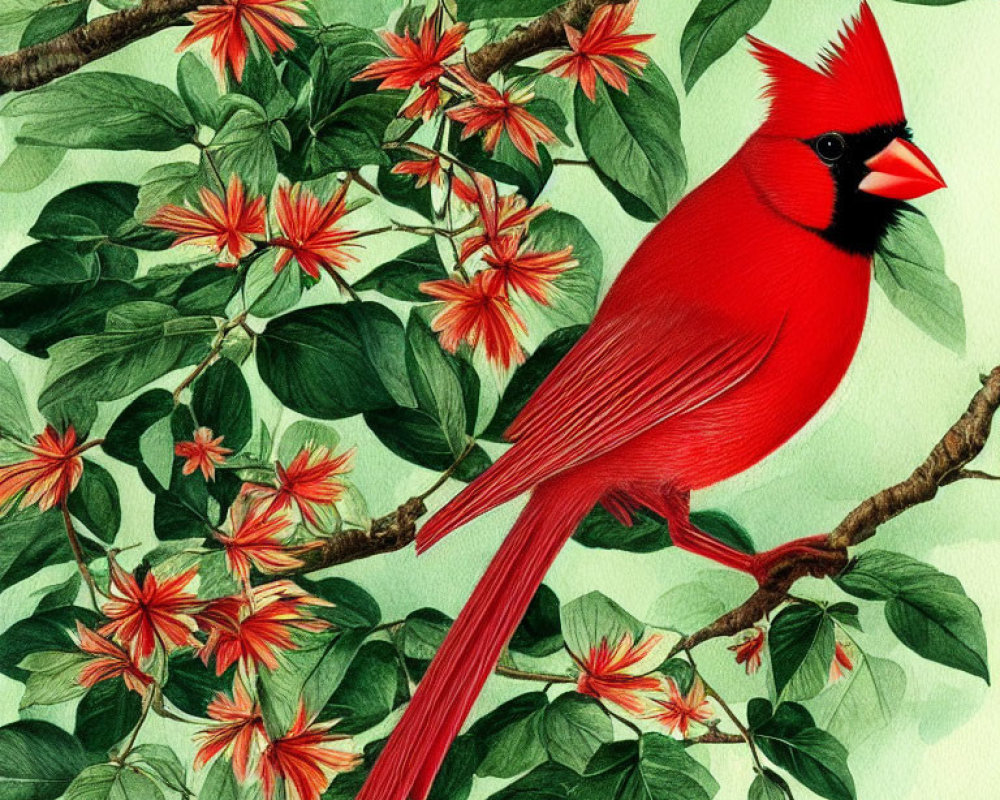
(95, 502)
(546, 782)
(106, 715)
(801, 643)
(472, 10)
(634, 141)
(44, 630)
(789, 738)
(769, 786)
(713, 29)
(206, 291)
(122, 439)
(909, 266)
(113, 782)
(400, 189)
(220, 400)
(32, 541)
(54, 20)
(723, 527)
(574, 728)
(540, 631)
(353, 607)
(349, 137)
(647, 533)
(332, 361)
(37, 760)
(162, 762)
(191, 685)
(63, 594)
(420, 637)
(928, 610)
(589, 619)
(243, 146)
(505, 164)
(454, 779)
(199, 90)
(103, 110)
(509, 738)
(401, 277)
(374, 684)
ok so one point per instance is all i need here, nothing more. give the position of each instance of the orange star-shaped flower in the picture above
(153, 614)
(257, 537)
(239, 730)
(204, 453)
(48, 477)
(111, 662)
(479, 313)
(417, 62)
(620, 673)
(603, 49)
(309, 231)
(678, 712)
(527, 271)
(494, 113)
(227, 24)
(251, 628)
(304, 760)
(227, 226)
(748, 650)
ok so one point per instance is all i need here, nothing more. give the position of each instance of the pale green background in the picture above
(901, 394)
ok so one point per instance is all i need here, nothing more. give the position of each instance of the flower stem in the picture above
(525, 675)
(81, 562)
(147, 702)
(230, 325)
(444, 476)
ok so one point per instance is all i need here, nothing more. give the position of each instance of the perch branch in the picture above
(44, 62)
(945, 464)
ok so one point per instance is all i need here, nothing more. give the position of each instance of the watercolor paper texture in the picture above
(277, 277)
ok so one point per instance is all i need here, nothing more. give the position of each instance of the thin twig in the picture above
(81, 562)
(213, 353)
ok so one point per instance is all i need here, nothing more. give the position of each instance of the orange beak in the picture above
(902, 172)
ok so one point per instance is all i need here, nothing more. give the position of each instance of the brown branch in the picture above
(945, 465)
(545, 33)
(44, 62)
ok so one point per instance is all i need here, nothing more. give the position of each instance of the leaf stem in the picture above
(201, 366)
(81, 562)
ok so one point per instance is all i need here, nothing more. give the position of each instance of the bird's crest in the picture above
(851, 90)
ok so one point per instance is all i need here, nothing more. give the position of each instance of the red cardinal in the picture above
(724, 334)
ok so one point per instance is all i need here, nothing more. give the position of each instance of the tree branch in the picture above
(44, 62)
(545, 33)
(946, 463)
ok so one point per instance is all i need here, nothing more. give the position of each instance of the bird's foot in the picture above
(764, 566)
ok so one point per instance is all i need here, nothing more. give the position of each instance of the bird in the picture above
(728, 329)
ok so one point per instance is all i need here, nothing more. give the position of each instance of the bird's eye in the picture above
(831, 146)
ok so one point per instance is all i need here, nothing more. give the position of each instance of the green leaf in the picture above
(540, 632)
(122, 440)
(53, 677)
(243, 146)
(332, 361)
(26, 167)
(766, 787)
(790, 739)
(47, 630)
(349, 137)
(305, 434)
(95, 502)
(54, 20)
(157, 448)
(167, 184)
(589, 619)
(549, 781)
(528, 377)
(651, 768)
(419, 638)
(600, 529)
(268, 292)
(909, 266)
(199, 90)
(112, 782)
(103, 110)
(220, 783)
(801, 643)
(106, 715)
(374, 685)
(62, 594)
(353, 607)
(713, 29)
(472, 10)
(927, 610)
(401, 277)
(401, 189)
(506, 163)
(37, 760)
(14, 418)
(163, 762)
(574, 728)
(191, 685)
(32, 541)
(635, 144)
(113, 364)
(509, 738)
(221, 401)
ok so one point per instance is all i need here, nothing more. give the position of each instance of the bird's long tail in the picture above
(406, 768)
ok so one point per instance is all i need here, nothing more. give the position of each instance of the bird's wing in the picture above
(623, 377)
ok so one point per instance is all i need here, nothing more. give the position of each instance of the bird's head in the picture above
(835, 153)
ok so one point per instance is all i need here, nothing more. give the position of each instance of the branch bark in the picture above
(44, 62)
(945, 464)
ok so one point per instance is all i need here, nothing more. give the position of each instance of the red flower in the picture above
(303, 760)
(680, 711)
(310, 231)
(252, 627)
(526, 270)
(479, 313)
(417, 62)
(748, 650)
(841, 663)
(153, 614)
(48, 477)
(257, 536)
(240, 727)
(225, 225)
(226, 25)
(310, 481)
(494, 113)
(203, 453)
(603, 50)
(498, 217)
(425, 171)
(621, 674)
(111, 662)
